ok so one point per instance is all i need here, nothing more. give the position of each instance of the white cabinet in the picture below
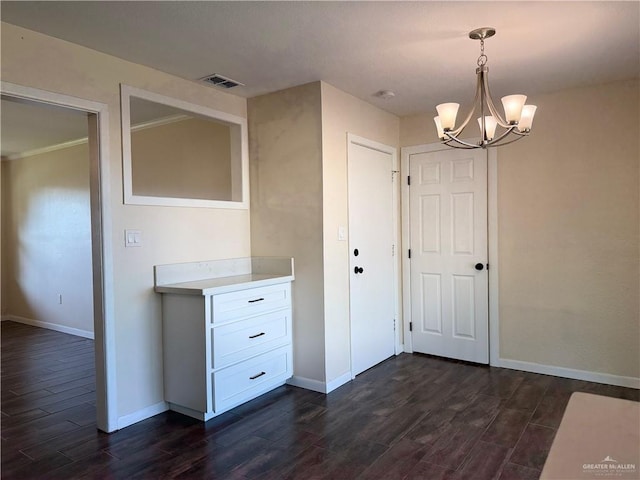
(225, 343)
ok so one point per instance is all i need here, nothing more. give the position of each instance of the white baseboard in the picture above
(51, 326)
(597, 377)
(143, 414)
(318, 386)
(308, 383)
(338, 382)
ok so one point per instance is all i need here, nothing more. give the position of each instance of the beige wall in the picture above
(190, 158)
(170, 234)
(285, 148)
(3, 228)
(298, 148)
(46, 239)
(568, 239)
(418, 129)
(568, 233)
(342, 114)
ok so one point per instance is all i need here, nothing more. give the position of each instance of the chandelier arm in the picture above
(461, 146)
(494, 111)
(458, 147)
(522, 134)
(518, 137)
(457, 140)
(492, 107)
(457, 131)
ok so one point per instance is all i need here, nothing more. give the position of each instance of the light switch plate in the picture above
(132, 238)
(342, 234)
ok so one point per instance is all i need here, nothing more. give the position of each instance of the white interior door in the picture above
(448, 230)
(371, 250)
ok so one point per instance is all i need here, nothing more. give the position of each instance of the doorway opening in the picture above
(57, 219)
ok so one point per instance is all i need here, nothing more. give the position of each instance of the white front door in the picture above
(371, 249)
(449, 278)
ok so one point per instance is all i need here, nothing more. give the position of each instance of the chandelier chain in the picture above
(482, 59)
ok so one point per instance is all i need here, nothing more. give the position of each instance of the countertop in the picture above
(214, 286)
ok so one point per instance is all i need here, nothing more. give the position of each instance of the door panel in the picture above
(371, 233)
(448, 230)
(431, 311)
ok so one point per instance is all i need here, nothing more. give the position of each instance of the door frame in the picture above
(395, 210)
(492, 244)
(101, 248)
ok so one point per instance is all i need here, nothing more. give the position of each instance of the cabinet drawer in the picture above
(243, 381)
(239, 340)
(244, 303)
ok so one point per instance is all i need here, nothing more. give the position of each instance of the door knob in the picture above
(358, 270)
(479, 266)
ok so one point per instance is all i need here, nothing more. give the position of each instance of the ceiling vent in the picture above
(220, 81)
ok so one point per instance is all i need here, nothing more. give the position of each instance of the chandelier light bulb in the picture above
(513, 107)
(447, 113)
(439, 128)
(490, 124)
(526, 120)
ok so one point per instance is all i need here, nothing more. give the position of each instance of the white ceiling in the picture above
(420, 50)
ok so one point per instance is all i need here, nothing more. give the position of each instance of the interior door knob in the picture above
(479, 266)
(358, 270)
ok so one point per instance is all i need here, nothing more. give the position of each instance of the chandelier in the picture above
(515, 124)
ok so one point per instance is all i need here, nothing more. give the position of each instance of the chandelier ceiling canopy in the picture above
(495, 130)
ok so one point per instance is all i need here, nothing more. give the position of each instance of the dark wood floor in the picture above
(411, 417)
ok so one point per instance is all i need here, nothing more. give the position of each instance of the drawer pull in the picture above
(256, 300)
(257, 335)
(258, 375)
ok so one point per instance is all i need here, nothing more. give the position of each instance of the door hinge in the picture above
(408, 179)
(393, 250)
(409, 253)
(394, 324)
(411, 326)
